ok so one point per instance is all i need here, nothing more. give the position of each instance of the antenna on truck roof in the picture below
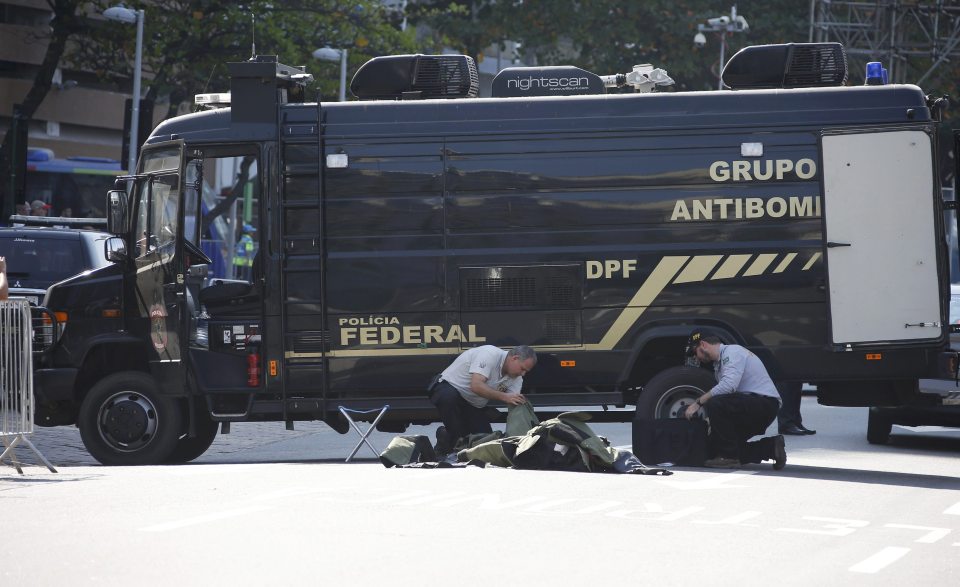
(253, 35)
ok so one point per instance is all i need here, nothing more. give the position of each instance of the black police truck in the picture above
(793, 215)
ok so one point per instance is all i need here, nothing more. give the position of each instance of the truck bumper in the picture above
(52, 385)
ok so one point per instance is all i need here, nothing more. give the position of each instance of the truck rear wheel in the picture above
(669, 392)
(188, 448)
(878, 427)
(125, 420)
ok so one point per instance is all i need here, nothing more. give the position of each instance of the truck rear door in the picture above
(880, 237)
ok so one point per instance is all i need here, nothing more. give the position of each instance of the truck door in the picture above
(159, 289)
(880, 237)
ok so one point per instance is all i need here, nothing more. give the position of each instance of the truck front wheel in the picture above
(125, 420)
(669, 392)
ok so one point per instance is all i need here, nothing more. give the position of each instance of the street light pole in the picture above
(722, 25)
(134, 147)
(331, 54)
(343, 75)
(128, 16)
(723, 48)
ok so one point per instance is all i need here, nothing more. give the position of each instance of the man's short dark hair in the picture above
(523, 352)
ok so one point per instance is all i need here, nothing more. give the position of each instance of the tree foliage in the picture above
(609, 36)
(188, 43)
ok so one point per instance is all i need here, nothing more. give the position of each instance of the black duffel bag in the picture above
(672, 440)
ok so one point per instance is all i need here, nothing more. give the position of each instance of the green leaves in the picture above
(187, 43)
(610, 36)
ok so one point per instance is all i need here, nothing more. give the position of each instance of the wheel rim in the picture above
(673, 403)
(127, 421)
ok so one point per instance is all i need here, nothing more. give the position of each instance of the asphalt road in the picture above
(269, 506)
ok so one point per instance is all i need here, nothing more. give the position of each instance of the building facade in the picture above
(80, 116)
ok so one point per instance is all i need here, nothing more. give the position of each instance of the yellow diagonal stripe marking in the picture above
(731, 266)
(651, 288)
(760, 264)
(698, 268)
(812, 260)
(785, 263)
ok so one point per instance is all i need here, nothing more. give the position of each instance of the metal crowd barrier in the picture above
(16, 380)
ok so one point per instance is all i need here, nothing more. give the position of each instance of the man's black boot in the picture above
(779, 453)
(444, 444)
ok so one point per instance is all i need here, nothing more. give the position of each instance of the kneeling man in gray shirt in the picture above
(474, 378)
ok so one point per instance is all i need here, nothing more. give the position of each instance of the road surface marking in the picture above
(555, 506)
(736, 520)
(720, 481)
(879, 561)
(204, 519)
(283, 494)
(953, 510)
(930, 537)
(927, 429)
(831, 526)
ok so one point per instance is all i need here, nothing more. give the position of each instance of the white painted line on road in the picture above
(212, 469)
(829, 526)
(736, 520)
(721, 481)
(927, 429)
(588, 508)
(953, 510)
(879, 561)
(204, 519)
(930, 537)
(283, 494)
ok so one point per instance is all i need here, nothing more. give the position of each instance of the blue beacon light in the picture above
(875, 73)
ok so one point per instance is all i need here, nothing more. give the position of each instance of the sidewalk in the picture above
(247, 442)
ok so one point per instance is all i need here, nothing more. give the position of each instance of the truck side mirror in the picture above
(117, 218)
(115, 249)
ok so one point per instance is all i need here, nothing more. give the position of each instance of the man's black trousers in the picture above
(789, 414)
(459, 417)
(737, 417)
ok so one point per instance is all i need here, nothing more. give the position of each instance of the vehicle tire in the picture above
(878, 427)
(669, 392)
(125, 420)
(188, 448)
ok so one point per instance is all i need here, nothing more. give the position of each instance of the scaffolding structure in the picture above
(915, 40)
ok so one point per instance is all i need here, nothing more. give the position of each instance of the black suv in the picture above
(43, 251)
